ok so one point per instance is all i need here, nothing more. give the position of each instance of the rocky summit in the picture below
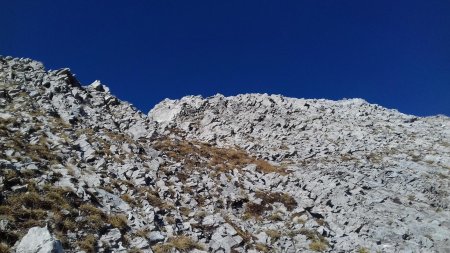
(82, 171)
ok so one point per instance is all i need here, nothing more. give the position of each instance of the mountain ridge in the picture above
(247, 173)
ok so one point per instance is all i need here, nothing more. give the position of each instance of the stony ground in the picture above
(81, 170)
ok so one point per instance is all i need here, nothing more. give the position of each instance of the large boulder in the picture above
(39, 240)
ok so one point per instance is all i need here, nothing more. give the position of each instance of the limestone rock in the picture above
(39, 240)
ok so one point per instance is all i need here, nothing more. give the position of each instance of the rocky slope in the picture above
(81, 170)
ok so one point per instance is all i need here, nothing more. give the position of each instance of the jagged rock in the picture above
(225, 238)
(139, 243)
(98, 86)
(111, 238)
(39, 240)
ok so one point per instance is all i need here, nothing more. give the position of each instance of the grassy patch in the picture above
(118, 221)
(363, 250)
(255, 210)
(181, 243)
(272, 197)
(318, 245)
(274, 234)
(55, 206)
(4, 248)
(153, 199)
(262, 247)
(197, 154)
(88, 243)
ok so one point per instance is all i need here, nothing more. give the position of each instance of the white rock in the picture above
(39, 240)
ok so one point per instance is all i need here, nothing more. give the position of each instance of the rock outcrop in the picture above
(39, 240)
(250, 173)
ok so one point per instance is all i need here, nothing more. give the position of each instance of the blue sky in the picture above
(393, 53)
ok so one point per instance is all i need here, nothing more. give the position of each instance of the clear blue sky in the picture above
(393, 53)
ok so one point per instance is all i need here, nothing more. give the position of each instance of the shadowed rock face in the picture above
(249, 173)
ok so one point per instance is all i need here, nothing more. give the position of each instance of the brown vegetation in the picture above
(319, 243)
(48, 205)
(271, 197)
(197, 154)
(118, 221)
(88, 244)
(181, 243)
(256, 210)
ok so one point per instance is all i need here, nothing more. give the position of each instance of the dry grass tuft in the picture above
(118, 221)
(318, 245)
(4, 248)
(153, 199)
(262, 247)
(127, 198)
(255, 210)
(268, 198)
(181, 243)
(272, 197)
(363, 250)
(163, 248)
(90, 209)
(88, 244)
(274, 234)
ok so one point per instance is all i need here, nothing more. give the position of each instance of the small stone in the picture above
(156, 236)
